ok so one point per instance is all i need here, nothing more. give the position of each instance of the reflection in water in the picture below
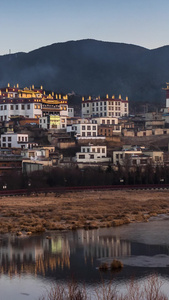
(78, 253)
(38, 255)
(99, 246)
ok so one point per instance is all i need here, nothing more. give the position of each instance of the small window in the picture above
(22, 106)
(11, 107)
(9, 145)
(9, 139)
(28, 106)
(81, 156)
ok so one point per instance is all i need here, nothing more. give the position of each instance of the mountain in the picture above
(90, 67)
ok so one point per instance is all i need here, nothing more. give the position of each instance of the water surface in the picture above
(29, 265)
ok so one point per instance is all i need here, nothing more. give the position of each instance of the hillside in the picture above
(91, 67)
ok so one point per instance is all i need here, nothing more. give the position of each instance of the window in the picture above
(83, 104)
(1, 118)
(83, 150)
(83, 127)
(103, 150)
(19, 139)
(88, 127)
(98, 150)
(88, 133)
(88, 149)
(83, 133)
(16, 107)
(22, 138)
(87, 104)
(1, 107)
(94, 127)
(3, 145)
(93, 149)
(4, 139)
(91, 156)
(5, 107)
(22, 106)
(28, 106)
(9, 139)
(9, 145)
(11, 107)
(26, 138)
(105, 103)
(81, 156)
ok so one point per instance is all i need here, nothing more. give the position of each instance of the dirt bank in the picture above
(87, 209)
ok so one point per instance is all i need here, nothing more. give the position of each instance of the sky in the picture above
(26, 25)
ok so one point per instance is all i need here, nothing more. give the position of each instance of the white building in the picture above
(92, 154)
(105, 107)
(70, 112)
(105, 121)
(83, 129)
(137, 156)
(19, 108)
(30, 103)
(53, 122)
(14, 140)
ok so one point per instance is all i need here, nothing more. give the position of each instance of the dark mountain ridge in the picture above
(90, 67)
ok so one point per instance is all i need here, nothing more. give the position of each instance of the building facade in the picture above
(105, 107)
(30, 103)
(92, 154)
(14, 140)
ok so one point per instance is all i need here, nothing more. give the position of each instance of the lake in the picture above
(29, 265)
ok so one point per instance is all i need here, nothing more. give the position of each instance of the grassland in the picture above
(87, 209)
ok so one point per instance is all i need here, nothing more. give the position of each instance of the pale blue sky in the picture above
(26, 25)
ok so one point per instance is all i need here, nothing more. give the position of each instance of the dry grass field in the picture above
(86, 209)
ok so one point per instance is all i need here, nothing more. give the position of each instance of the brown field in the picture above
(87, 209)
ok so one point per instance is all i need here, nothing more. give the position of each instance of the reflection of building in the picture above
(32, 255)
(103, 246)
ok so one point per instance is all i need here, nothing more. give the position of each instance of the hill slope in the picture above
(91, 67)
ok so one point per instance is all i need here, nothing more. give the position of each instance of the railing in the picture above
(63, 189)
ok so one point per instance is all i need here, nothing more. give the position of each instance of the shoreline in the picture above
(82, 209)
